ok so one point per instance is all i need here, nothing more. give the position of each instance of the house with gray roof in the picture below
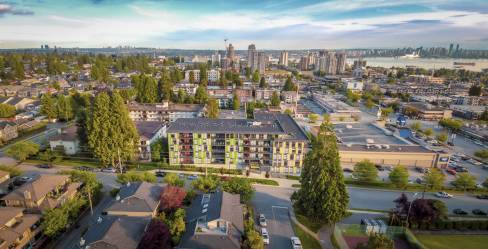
(136, 199)
(149, 132)
(214, 221)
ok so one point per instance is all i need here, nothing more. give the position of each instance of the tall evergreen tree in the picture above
(289, 86)
(323, 195)
(99, 129)
(201, 95)
(275, 99)
(255, 76)
(150, 94)
(123, 131)
(262, 83)
(236, 103)
(64, 107)
(48, 106)
(212, 109)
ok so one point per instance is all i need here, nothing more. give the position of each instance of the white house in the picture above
(66, 141)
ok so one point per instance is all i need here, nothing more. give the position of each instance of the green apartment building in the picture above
(269, 142)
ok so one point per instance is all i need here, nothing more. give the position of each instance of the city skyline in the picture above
(270, 25)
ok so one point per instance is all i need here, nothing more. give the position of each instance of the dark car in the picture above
(379, 167)
(478, 212)
(160, 173)
(459, 211)
(84, 168)
(44, 166)
(348, 170)
(483, 197)
(450, 143)
(461, 169)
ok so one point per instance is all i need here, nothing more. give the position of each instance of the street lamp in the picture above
(410, 206)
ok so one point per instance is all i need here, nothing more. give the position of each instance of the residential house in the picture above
(18, 102)
(264, 95)
(214, 221)
(66, 141)
(4, 176)
(289, 97)
(136, 199)
(8, 131)
(47, 191)
(149, 132)
(18, 229)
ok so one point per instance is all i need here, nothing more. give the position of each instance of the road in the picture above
(275, 204)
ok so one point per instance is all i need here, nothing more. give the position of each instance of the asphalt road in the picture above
(275, 203)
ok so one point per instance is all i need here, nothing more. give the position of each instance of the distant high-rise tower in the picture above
(230, 52)
(252, 57)
(216, 59)
(341, 63)
(284, 58)
(261, 58)
(304, 63)
(450, 49)
(331, 64)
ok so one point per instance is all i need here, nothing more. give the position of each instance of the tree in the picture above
(353, 97)
(434, 179)
(442, 137)
(236, 103)
(172, 179)
(416, 126)
(399, 176)
(206, 183)
(369, 104)
(427, 211)
(262, 83)
(465, 181)
(157, 236)
(64, 107)
(176, 223)
(12, 170)
(172, 198)
(289, 86)
(201, 95)
(428, 132)
(54, 221)
(275, 99)
(191, 77)
(484, 115)
(134, 176)
(255, 76)
(212, 109)
(50, 156)
(112, 135)
(241, 186)
(156, 150)
(475, 90)
(481, 154)
(322, 195)
(451, 124)
(22, 150)
(485, 183)
(385, 112)
(253, 240)
(377, 241)
(203, 75)
(7, 111)
(365, 171)
(48, 106)
(313, 118)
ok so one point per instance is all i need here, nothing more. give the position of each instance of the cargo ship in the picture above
(472, 64)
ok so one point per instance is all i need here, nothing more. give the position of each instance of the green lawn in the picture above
(308, 242)
(453, 241)
(314, 226)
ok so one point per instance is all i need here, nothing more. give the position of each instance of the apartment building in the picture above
(269, 142)
(18, 229)
(426, 111)
(212, 75)
(164, 112)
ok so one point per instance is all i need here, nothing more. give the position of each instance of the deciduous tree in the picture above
(399, 176)
(172, 198)
(157, 236)
(241, 186)
(22, 150)
(434, 179)
(365, 171)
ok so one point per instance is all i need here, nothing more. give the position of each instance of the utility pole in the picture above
(120, 164)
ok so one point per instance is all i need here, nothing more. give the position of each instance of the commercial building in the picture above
(284, 58)
(336, 109)
(164, 112)
(268, 142)
(392, 155)
(426, 111)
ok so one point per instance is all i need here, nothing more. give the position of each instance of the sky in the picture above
(270, 24)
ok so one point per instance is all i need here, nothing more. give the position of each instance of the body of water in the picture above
(428, 63)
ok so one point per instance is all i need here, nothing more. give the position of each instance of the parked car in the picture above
(461, 169)
(262, 220)
(450, 143)
(44, 166)
(192, 177)
(419, 180)
(478, 212)
(442, 194)
(379, 167)
(84, 168)
(485, 166)
(459, 211)
(109, 170)
(451, 171)
(482, 197)
(265, 235)
(296, 243)
(160, 173)
(348, 170)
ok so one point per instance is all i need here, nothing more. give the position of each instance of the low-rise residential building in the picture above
(18, 229)
(136, 199)
(425, 79)
(264, 95)
(4, 176)
(149, 132)
(164, 112)
(214, 221)
(222, 95)
(66, 141)
(212, 75)
(8, 131)
(18, 102)
(472, 112)
(188, 88)
(290, 96)
(352, 85)
(244, 95)
(47, 191)
(272, 142)
(426, 111)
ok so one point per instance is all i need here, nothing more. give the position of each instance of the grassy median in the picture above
(308, 242)
(452, 241)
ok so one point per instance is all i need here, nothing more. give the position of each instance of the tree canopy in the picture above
(22, 150)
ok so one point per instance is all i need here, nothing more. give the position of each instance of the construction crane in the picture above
(225, 42)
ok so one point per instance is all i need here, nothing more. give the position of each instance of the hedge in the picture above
(461, 225)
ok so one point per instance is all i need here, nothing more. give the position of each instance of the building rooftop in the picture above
(38, 188)
(114, 232)
(67, 134)
(137, 197)
(263, 122)
(147, 129)
(134, 106)
(425, 107)
(384, 148)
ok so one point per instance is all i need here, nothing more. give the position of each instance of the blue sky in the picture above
(270, 24)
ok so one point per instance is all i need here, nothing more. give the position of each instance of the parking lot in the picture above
(275, 204)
